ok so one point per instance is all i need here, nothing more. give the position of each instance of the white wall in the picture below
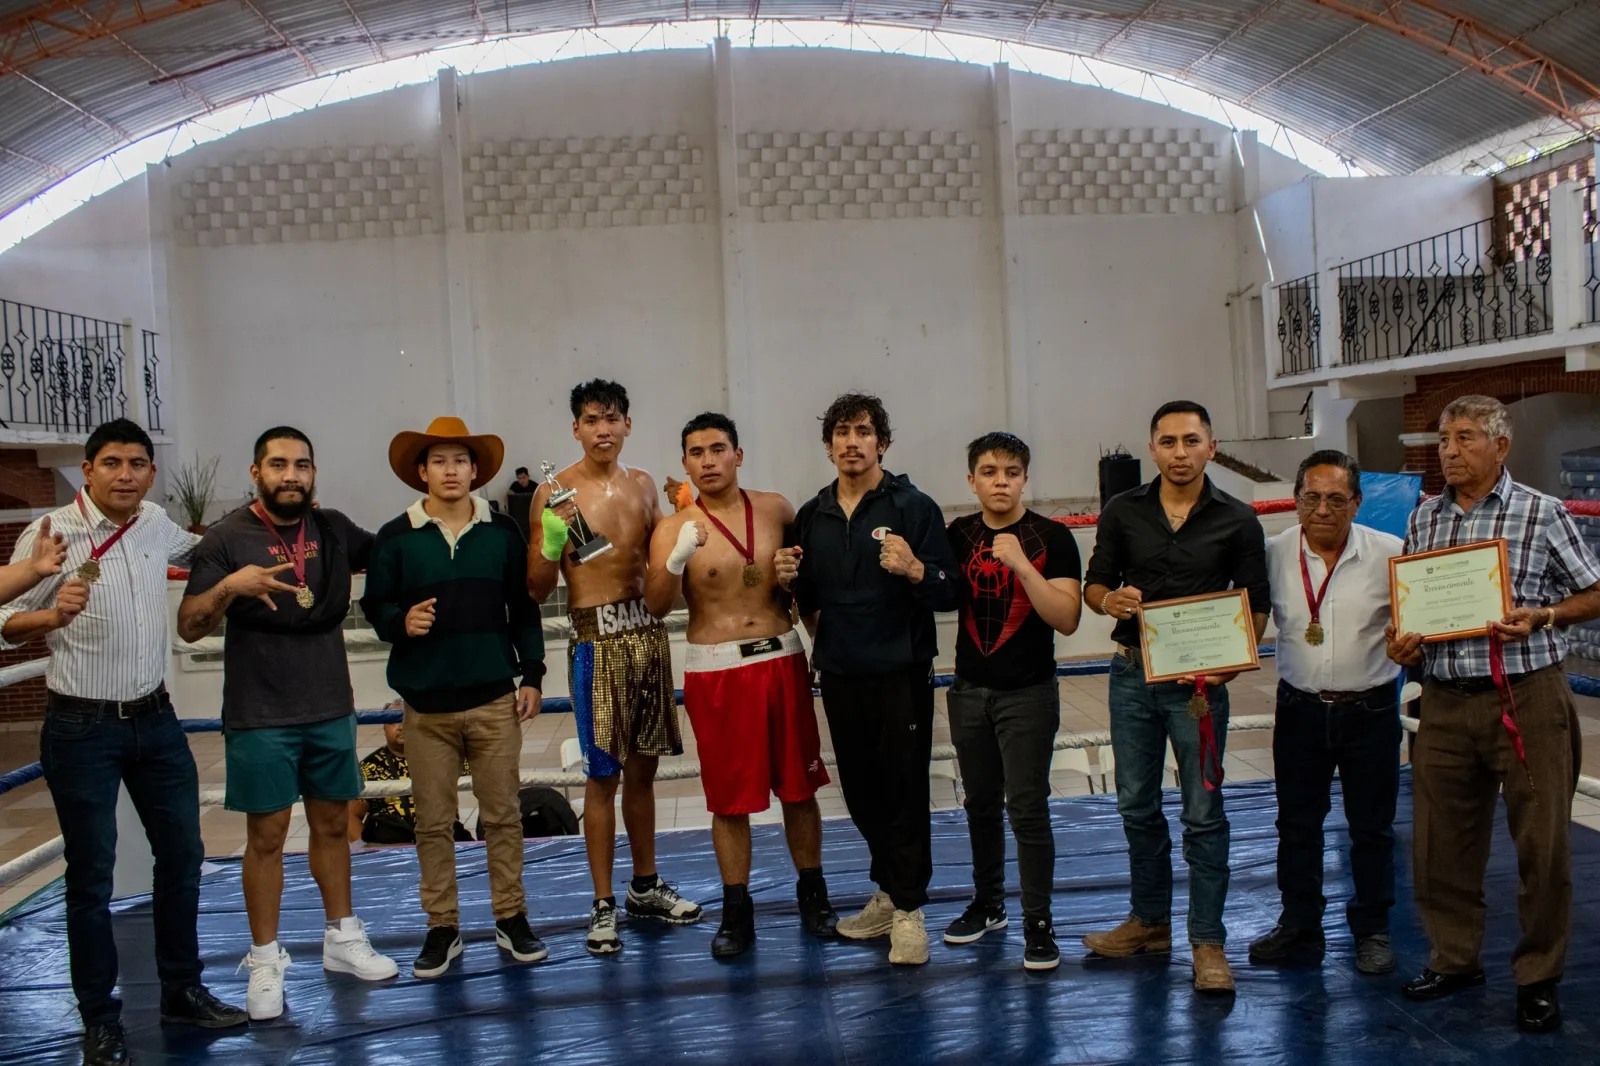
(1545, 426)
(94, 261)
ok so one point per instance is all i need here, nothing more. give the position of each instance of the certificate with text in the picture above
(1450, 593)
(1213, 634)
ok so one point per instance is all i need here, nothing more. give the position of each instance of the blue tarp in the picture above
(1387, 501)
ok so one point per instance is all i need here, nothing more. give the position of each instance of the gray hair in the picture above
(1330, 457)
(1490, 414)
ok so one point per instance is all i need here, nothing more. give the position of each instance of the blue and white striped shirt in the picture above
(1549, 562)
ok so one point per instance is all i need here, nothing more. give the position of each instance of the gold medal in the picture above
(304, 598)
(1198, 706)
(1314, 634)
(751, 575)
(89, 572)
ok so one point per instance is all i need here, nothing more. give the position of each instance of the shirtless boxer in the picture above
(746, 684)
(619, 666)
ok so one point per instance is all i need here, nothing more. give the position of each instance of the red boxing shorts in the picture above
(749, 703)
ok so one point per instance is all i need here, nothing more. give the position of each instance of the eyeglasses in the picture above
(1311, 501)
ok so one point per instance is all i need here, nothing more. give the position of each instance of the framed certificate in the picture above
(1211, 634)
(1450, 593)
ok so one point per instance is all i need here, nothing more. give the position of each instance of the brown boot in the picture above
(1211, 972)
(1132, 937)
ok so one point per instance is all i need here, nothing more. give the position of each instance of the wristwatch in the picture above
(1550, 623)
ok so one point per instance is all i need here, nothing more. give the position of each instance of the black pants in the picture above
(1004, 740)
(1361, 739)
(882, 729)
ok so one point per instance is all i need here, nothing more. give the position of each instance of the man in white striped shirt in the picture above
(110, 722)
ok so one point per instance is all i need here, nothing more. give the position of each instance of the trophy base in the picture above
(590, 549)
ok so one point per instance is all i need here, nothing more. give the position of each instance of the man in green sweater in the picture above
(447, 587)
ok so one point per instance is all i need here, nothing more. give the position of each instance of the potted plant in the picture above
(193, 488)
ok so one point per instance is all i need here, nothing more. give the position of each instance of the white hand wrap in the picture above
(688, 538)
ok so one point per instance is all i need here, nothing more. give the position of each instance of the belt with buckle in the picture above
(1133, 655)
(109, 708)
(1380, 693)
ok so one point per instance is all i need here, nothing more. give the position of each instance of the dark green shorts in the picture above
(269, 769)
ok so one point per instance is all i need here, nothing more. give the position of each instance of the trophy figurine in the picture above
(585, 543)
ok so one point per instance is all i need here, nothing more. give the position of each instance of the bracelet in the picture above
(1105, 600)
(1551, 624)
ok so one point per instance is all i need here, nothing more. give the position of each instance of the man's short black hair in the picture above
(521, 470)
(1180, 407)
(607, 394)
(282, 433)
(851, 406)
(1007, 444)
(422, 456)
(118, 431)
(710, 420)
(1330, 457)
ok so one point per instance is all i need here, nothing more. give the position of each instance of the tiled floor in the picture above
(27, 817)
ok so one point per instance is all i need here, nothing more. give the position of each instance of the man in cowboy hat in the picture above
(447, 587)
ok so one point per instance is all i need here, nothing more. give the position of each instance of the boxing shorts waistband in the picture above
(709, 658)
(612, 619)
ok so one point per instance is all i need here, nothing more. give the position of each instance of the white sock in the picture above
(265, 952)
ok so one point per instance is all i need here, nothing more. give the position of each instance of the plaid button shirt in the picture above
(1549, 562)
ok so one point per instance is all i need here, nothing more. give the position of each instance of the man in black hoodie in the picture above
(869, 563)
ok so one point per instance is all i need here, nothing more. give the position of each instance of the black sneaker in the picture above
(443, 944)
(1288, 945)
(1374, 954)
(513, 935)
(196, 1006)
(975, 921)
(603, 939)
(816, 913)
(738, 930)
(104, 1045)
(1040, 937)
(662, 902)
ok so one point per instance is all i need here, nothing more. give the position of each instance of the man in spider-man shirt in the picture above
(1020, 589)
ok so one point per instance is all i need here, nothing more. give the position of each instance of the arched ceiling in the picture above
(1391, 84)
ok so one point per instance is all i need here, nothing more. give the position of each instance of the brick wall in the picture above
(1507, 384)
(23, 483)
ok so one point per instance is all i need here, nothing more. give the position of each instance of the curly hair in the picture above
(608, 394)
(851, 406)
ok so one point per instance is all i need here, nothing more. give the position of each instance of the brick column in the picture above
(23, 484)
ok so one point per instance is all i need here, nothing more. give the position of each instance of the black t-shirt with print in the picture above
(1002, 643)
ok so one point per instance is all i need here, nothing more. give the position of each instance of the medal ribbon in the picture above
(1209, 758)
(1314, 601)
(1508, 702)
(748, 549)
(95, 552)
(298, 555)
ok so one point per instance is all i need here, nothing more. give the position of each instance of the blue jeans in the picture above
(1143, 718)
(86, 756)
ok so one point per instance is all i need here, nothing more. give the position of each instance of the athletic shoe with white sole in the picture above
(512, 934)
(602, 938)
(975, 921)
(346, 949)
(263, 1001)
(873, 920)
(442, 946)
(662, 902)
(908, 939)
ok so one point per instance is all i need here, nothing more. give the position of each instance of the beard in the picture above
(278, 502)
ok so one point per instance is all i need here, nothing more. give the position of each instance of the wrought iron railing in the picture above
(1299, 326)
(152, 382)
(1591, 243)
(1452, 290)
(59, 371)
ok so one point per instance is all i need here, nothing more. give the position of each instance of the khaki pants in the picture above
(490, 739)
(1462, 760)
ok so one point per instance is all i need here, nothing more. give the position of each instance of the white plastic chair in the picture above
(1073, 759)
(1108, 767)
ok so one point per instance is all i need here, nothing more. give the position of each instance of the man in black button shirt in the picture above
(1177, 536)
(1019, 589)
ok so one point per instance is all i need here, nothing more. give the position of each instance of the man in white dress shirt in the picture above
(109, 722)
(1337, 710)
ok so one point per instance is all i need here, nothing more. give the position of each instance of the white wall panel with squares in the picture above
(1120, 172)
(793, 177)
(308, 194)
(585, 182)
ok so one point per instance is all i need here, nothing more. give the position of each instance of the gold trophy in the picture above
(583, 542)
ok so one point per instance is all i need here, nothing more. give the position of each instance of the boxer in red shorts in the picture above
(746, 686)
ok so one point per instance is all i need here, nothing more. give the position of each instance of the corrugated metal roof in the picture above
(1390, 104)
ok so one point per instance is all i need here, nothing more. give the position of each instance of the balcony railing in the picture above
(1452, 290)
(1299, 326)
(66, 373)
(1591, 247)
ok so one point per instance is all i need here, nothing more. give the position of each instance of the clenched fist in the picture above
(1007, 550)
(71, 598)
(786, 561)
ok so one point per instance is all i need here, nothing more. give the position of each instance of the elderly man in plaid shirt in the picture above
(1465, 753)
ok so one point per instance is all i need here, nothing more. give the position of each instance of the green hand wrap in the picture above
(555, 535)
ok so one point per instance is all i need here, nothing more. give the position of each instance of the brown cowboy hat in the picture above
(407, 449)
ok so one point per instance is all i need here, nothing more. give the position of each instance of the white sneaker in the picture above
(908, 940)
(264, 999)
(873, 920)
(346, 949)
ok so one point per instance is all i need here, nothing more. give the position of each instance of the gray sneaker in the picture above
(1374, 955)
